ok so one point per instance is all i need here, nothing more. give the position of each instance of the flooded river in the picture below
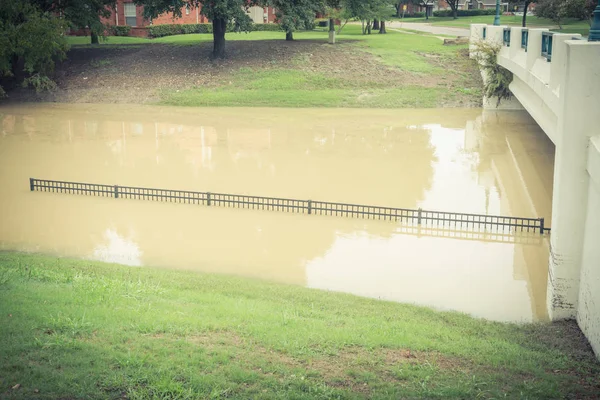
(451, 160)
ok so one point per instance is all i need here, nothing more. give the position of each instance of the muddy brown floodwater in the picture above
(451, 160)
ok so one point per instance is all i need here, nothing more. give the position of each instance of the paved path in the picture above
(434, 29)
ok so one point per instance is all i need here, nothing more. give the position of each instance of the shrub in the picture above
(121, 30)
(31, 41)
(496, 78)
(265, 28)
(464, 13)
(415, 15)
(156, 31)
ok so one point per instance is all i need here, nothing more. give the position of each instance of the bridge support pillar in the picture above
(577, 122)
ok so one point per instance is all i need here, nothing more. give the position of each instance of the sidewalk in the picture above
(434, 29)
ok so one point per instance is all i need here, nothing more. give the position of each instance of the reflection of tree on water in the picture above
(350, 161)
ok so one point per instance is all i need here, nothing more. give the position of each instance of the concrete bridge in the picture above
(556, 78)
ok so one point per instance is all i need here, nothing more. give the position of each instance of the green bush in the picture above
(121, 30)
(265, 28)
(156, 31)
(415, 15)
(464, 13)
(498, 78)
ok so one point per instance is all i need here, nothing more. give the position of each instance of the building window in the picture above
(130, 15)
(187, 10)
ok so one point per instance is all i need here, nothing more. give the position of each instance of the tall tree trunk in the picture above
(455, 13)
(369, 26)
(331, 25)
(382, 28)
(398, 10)
(375, 24)
(219, 29)
(289, 36)
(525, 14)
(94, 38)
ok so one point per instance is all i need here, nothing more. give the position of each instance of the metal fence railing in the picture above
(438, 220)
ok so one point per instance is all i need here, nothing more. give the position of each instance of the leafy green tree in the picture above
(454, 7)
(558, 10)
(366, 11)
(31, 41)
(426, 4)
(334, 9)
(295, 15)
(580, 9)
(80, 13)
(87, 14)
(222, 13)
(399, 4)
(526, 4)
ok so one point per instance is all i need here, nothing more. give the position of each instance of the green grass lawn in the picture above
(569, 26)
(291, 88)
(424, 79)
(82, 329)
(192, 39)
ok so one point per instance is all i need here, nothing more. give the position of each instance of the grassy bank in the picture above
(396, 70)
(570, 25)
(80, 329)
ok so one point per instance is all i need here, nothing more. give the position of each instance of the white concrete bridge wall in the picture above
(563, 96)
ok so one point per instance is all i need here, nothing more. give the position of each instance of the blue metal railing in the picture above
(524, 39)
(506, 37)
(547, 45)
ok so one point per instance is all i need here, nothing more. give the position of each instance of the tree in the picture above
(580, 9)
(426, 4)
(87, 13)
(294, 15)
(558, 10)
(80, 13)
(454, 7)
(526, 4)
(31, 40)
(366, 11)
(399, 4)
(222, 13)
(333, 9)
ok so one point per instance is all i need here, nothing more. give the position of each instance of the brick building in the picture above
(128, 13)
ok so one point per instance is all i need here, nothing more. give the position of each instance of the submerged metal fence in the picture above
(437, 220)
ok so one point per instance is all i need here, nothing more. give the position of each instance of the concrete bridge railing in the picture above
(556, 78)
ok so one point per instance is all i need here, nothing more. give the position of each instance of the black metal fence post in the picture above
(116, 192)
(310, 206)
(31, 185)
(419, 216)
(208, 199)
(542, 226)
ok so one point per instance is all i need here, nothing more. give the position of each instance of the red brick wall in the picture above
(194, 17)
(272, 17)
(118, 18)
(112, 20)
